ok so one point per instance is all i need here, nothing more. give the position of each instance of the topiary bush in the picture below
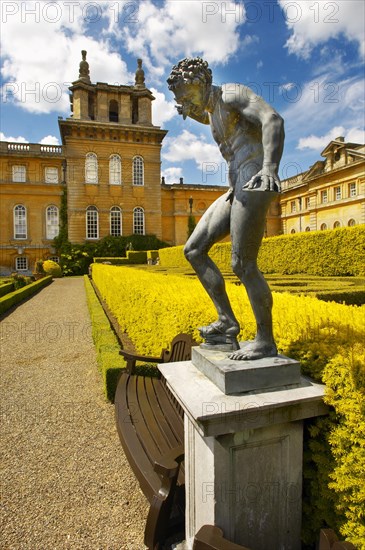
(52, 268)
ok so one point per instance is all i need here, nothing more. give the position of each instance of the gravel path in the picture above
(65, 482)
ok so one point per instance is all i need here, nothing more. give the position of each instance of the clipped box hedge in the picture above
(110, 363)
(334, 252)
(6, 288)
(134, 257)
(327, 338)
(17, 296)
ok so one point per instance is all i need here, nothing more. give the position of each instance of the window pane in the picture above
(138, 221)
(52, 223)
(19, 174)
(91, 168)
(20, 222)
(51, 175)
(92, 223)
(115, 221)
(21, 264)
(138, 171)
(115, 170)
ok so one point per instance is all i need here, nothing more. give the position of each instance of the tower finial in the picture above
(84, 73)
(139, 80)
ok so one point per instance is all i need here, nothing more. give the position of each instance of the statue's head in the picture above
(190, 80)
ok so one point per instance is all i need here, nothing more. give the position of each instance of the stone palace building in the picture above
(109, 170)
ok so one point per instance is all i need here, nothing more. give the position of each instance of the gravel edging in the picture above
(65, 481)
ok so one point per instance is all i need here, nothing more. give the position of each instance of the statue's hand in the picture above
(265, 180)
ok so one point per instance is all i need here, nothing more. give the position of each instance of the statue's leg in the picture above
(248, 216)
(213, 226)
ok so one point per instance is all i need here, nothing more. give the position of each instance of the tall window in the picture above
(352, 190)
(20, 222)
(351, 223)
(307, 202)
(293, 206)
(323, 226)
(338, 193)
(91, 168)
(51, 174)
(324, 196)
(19, 174)
(52, 222)
(92, 222)
(115, 170)
(113, 111)
(115, 221)
(138, 221)
(138, 175)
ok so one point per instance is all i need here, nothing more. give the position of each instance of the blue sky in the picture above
(305, 57)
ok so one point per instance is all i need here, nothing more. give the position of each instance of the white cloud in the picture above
(184, 28)
(172, 174)
(313, 23)
(19, 139)
(40, 64)
(318, 143)
(49, 140)
(323, 103)
(163, 110)
(188, 146)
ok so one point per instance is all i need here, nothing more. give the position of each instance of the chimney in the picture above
(181, 181)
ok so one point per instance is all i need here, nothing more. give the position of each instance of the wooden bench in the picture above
(328, 540)
(210, 537)
(150, 425)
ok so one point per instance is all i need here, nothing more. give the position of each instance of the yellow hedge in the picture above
(334, 252)
(325, 337)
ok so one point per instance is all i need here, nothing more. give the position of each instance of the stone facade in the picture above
(110, 165)
(330, 194)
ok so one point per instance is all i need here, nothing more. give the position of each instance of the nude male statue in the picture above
(250, 136)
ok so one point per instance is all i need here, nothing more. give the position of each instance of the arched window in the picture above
(336, 224)
(92, 222)
(138, 221)
(292, 231)
(307, 228)
(20, 222)
(52, 222)
(351, 223)
(115, 170)
(91, 168)
(115, 221)
(323, 226)
(138, 174)
(113, 111)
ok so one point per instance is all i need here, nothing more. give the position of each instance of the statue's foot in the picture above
(254, 350)
(219, 328)
(219, 335)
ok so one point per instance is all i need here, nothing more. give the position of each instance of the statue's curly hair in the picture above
(191, 70)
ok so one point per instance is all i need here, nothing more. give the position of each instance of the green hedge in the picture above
(334, 252)
(13, 298)
(134, 257)
(6, 288)
(110, 363)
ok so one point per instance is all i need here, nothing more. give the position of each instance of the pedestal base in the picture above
(243, 457)
(235, 377)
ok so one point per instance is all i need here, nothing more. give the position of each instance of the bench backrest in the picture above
(180, 349)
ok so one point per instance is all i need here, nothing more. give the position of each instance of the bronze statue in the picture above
(250, 136)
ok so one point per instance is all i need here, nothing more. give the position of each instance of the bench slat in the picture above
(164, 426)
(175, 420)
(149, 481)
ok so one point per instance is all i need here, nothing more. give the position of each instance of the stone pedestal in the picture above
(243, 452)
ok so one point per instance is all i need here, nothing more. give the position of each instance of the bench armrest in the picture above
(168, 464)
(131, 359)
